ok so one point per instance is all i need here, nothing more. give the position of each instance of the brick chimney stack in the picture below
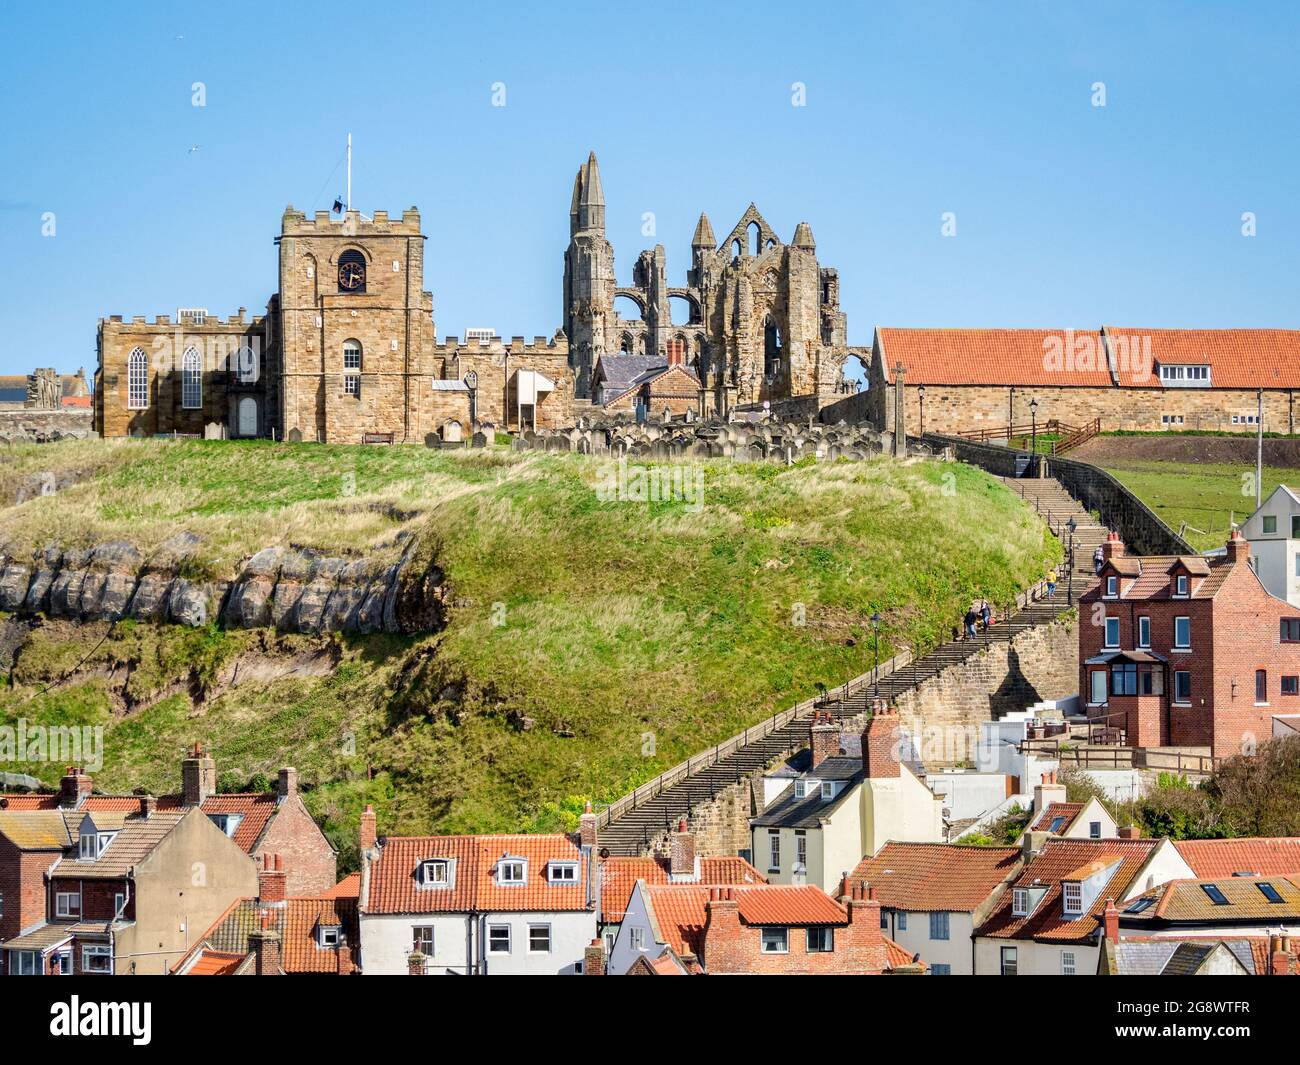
(346, 965)
(415, 964)
(881, 742)
(1130, 832)
(266, 948)
(148, 806)
(823, 738)
(270, 881)
(369, 832)
(198, 776)
(587, 830)
(1279, 955)
(721, 928)
(288, 783)
(1238, 547)
(74, 787)
(1113, 547)
(593, 959)
(681, 861)
(1110, 919)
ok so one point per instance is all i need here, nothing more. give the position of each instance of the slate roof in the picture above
(394, 887)
(1261, 855)
(923, 877)
(619, 374)
(1151, 956)
(787, 811)
(618, 876)
(1061, 859)
(296, 922)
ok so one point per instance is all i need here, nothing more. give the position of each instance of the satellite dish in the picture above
(604, 852)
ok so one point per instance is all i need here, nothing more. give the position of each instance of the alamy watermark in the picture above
(680, 483)
(81, 745)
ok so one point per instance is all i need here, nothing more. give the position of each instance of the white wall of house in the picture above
(387, 940)
(966, 793)
(1275, 552)
(1035, 959)
(911, 931)
(623, 955)
(899, 808)
(1093, 813)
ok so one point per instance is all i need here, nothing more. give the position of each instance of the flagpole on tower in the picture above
(349, 171)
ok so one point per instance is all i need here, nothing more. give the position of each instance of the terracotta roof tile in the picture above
(618, 875)
(681, 910)
(1265, 856)
(297, 922)
(1057, 861)
(1238, 358)
(215, 963)
(991, 356)
(935, 876)
(896, 957)
(394, 887)
(1066, 810)
(347, 888)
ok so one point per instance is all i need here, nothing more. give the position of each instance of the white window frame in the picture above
(63, 961)
(533, 929)
(25, 963)
(828, 790)
(1180, 586)
(88, 848)
(1019, 903)
(1067, 963)
(508, 879)
(773, 851)
(96, 950)
(1144, 631)
(352, 356)
(1009, 954)
(137, 380)
(1071, 898)
(1093, 685)
(63, 904)
(1174, 696)
(774, 939)
(192, 380)
(419, 941)
(1186, 646)
(329, 936)
(1106, 623)
(1112, 586)
(801, 786)
(493, 944)
(636, 937)
(562, 872)
(428, 869)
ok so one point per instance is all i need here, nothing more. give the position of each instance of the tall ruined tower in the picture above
(588, 277)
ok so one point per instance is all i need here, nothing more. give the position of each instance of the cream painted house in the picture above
(1273, 533)
(842, 807)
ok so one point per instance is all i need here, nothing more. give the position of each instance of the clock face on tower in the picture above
(351, 276)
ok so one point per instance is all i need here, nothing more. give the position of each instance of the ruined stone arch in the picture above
(636, 296)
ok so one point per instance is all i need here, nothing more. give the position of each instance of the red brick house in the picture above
(1187, 651)
(260, 823)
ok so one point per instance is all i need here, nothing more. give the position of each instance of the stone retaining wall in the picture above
(44, 426)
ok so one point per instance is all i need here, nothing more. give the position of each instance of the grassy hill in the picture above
(590, 643)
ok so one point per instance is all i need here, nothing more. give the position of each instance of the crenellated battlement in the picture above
(295, 223)
(553, 345)
(210, 322)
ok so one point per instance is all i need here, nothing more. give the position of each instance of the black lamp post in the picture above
(920, 394)
(1033, 433)
(1070, 526)
(876, 619)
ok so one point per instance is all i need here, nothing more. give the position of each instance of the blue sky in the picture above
(1066, 214)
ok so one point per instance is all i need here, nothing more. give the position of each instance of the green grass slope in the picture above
(590, 643)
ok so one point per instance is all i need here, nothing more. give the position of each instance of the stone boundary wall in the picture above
(289, 590)
(27, 426)
(1141, 529)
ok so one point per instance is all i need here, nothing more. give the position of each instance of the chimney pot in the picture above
(368, 829)
(198, 776)
(270, 881)
(1110, 917)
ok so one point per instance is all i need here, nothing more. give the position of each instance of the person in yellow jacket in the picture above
(1051, 583)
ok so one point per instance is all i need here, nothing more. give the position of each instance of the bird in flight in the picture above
(193, 148)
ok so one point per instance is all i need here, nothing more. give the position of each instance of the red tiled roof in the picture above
(618, 875)
(896, 957)
(935, 876)
(394, 887)
(1238, 358)
(1067, 810)
(681, 910)
(296, 922)
(1217, 858)
(1059, 860)
(993, 356)
(347, 888)
(215, 963)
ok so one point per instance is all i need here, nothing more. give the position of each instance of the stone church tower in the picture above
(588, 277)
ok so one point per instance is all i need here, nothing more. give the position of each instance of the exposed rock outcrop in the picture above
(295, 591)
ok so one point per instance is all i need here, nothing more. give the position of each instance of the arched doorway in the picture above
(246, 423)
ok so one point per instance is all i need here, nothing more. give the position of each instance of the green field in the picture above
(590, 643)
(1208, 498)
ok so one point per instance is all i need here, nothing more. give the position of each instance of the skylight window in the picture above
(1269, 891)
(1056, 824)
(1142, 905)
(1216, 896)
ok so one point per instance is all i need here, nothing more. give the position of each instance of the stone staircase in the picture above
(633, 830)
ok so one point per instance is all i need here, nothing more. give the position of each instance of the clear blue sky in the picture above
(1067, 214)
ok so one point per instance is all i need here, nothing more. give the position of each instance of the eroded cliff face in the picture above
(281, 588)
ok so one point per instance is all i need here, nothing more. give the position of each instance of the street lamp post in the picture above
(876, 619)
(920, 394)
(1070, 525)
(1033, 434)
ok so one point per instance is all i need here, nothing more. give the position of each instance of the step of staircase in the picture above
(633, 831)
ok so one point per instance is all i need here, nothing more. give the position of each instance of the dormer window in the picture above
(435, 873)
(1112, 587)
(226, 822)
(1071, 898)
(91, 844)
(1180, 585)
(1184, 375)
(328, 936)
(1020, 903)
(512, 872)
(562, 872)
(800, 789)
